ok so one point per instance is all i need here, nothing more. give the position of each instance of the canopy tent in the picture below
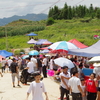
(43, 42)
(32, 41)
(91, 51)
(77, 43)
(31, 34)
(5, 53)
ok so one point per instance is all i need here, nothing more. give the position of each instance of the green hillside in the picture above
(59, 31)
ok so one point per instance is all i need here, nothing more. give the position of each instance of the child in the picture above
(83, 88)
(37, 88)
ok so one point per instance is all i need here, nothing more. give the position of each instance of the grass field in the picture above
(61, 30)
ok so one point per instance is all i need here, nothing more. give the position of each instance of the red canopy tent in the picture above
(77, 43)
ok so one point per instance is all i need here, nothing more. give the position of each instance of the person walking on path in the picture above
(9, 63)
(14, 72)
(37, 87)
(75, 88)
(29, 68)
(3, 64)
(44, 66)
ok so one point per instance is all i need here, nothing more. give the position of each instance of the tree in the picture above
(50, 21)
(65, 12)
(98, 13)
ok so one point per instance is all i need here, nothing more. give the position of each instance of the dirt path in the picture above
(7, 92)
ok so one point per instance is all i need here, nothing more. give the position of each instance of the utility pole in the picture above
(6, 38)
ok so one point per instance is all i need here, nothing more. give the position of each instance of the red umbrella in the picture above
(58, 51)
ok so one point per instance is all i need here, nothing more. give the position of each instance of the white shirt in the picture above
(44, 62)
(37, 90)
(83, 87)
(65, 75)
(9, 62)
(51, 64)
(3, 62)
(34, 60)
(31, 67)
(73, 83)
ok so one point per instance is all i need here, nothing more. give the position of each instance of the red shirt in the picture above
(90, 86)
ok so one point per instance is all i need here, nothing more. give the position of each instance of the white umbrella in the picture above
(95, 59)
(62, 45)
(32, 41)
(64, 62)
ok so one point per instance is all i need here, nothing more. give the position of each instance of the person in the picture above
(39, 63)
(64, 76)
(44, 66)
(14, 72)
(51, 63)
(29, 68)
(75, 88)
(91, 87)
(34, 60)
(83, 88)
(98, 86)
(3, 63)
(37, 87)
(96, 69)
(1, 74)
(81, 74)
(9, 62)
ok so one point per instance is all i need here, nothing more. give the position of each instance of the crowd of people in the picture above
(72, 81)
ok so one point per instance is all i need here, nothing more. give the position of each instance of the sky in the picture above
(10, 8)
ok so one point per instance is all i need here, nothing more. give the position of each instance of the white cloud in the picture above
(22, 7)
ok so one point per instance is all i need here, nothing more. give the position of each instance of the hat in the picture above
(96, 64)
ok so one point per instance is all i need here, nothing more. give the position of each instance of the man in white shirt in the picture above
(64, 76)
(44, 66)
(30, 69)
(9, 62)
(74, 84)
(34, 60)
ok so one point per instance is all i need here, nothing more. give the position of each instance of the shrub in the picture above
(50, 21)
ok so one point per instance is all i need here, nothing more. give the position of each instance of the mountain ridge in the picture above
(33, 17)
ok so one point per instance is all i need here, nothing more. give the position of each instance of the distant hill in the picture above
(33, 17)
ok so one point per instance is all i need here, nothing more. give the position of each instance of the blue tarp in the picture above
(91, 51)
(5, 53)
(32, 34)
(87, 71)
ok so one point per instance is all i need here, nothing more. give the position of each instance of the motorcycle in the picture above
(30, 77)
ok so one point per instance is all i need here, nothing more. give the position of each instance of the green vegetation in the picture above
(59, 31)
(68, 12)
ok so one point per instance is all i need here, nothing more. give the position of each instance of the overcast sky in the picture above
(9, 8)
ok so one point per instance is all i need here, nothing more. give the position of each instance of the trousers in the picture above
(64, 91)
(76, 96)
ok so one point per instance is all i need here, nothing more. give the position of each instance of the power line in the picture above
(50, 6)
(79, 2)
